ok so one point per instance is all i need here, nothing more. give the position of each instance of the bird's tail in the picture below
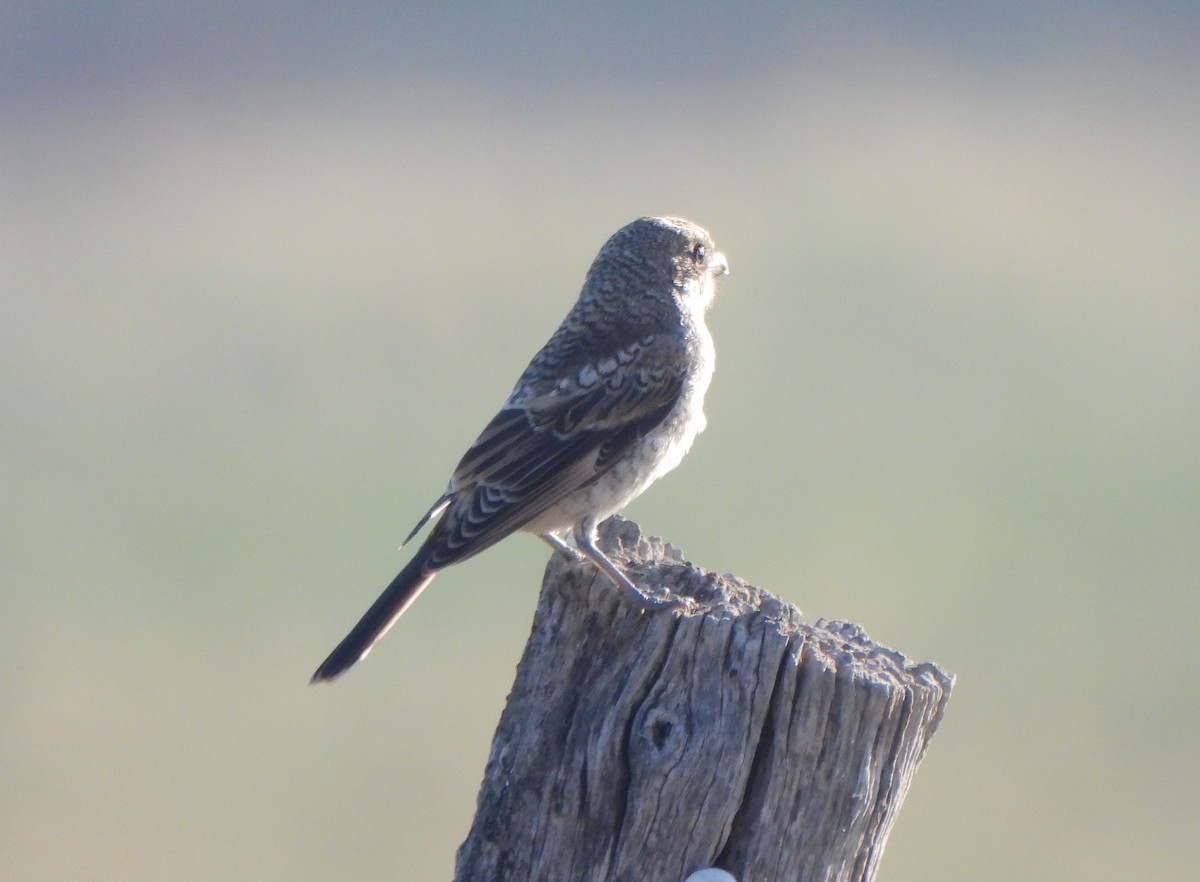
(375, 622)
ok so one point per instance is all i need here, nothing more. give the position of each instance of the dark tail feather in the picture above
(375, 623)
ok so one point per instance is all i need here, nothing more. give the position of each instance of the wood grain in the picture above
(722, 731)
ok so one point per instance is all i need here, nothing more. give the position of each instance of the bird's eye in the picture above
(699, 253)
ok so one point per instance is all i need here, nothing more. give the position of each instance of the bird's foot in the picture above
(586, 550)
(653, 599)
(656, 599)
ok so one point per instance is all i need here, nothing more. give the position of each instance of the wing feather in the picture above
(553, 437)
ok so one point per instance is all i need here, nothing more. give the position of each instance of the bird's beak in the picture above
(718, 265)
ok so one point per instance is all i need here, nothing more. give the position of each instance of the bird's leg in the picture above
(584, 537)
(556, 542)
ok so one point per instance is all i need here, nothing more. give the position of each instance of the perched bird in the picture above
(611, 403)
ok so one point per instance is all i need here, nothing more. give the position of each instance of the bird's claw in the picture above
(657, 600)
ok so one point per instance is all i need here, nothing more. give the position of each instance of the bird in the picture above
(611, 403)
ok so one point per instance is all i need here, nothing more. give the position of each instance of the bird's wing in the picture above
(554, 436)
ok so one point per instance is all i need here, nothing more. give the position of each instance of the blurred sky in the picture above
(266, 269)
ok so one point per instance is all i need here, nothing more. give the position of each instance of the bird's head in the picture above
(664, 257)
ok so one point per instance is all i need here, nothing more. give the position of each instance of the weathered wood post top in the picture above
(641, 746)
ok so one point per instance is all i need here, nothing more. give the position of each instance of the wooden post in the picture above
(641, 746)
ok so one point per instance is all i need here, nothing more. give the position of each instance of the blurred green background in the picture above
(268, 268)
